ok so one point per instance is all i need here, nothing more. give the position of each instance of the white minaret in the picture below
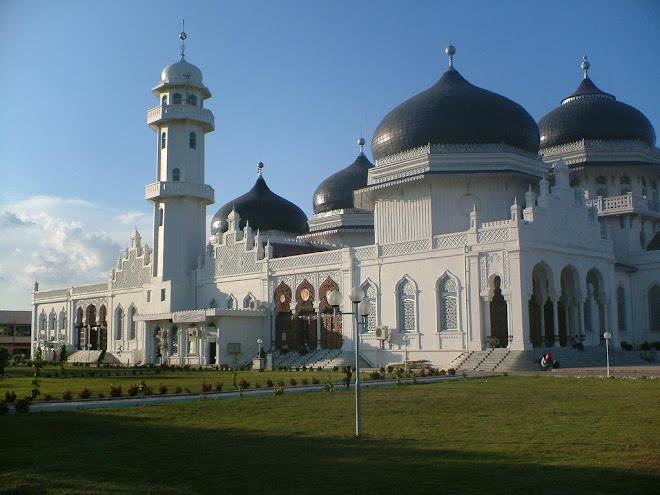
(179, 194)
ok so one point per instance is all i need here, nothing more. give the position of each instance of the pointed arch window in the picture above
(448, 303)
(621, 308)
(176, 99)
(174, 340)
(213, 304)
(192, 100)
(407, 296)
(370, 294)
(163, 100)
(176, 175)
(654, 308)
(231, 302)
(192, 141)
(119, 323)
(62, 320)
(163, 140)
(131, 323)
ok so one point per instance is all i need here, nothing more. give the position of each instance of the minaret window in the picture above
(192, 142)
(176, 99)
(625, 185)
(164, 100)
(654, 308)
(601, 186)
(161, 214)
(176, 175)
(192, 100)
(621, 308)
(131, 323)
(163, 140)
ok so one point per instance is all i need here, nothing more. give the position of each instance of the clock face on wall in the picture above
(304, 294)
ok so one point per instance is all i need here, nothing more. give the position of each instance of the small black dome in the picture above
(264, 210)
(336, 192)
(453, 111)
(590, 113)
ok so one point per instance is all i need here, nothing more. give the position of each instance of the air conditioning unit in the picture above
(382, 333)
(255, 304)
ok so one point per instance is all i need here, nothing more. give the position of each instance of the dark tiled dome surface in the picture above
(453, 111)
(336, 192)
(589, 113)
(264, 209)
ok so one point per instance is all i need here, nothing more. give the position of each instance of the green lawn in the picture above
(76, 378)
(498, 435)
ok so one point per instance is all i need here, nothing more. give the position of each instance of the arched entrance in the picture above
(499, 321)
(80, 327)
(568, 307)
(331, 325)
(305, 332)
(541, 321)
(283, 317)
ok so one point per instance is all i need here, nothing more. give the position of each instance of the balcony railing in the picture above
(616, 205)
(181, 112)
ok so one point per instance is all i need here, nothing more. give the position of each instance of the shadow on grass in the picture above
(76, 453)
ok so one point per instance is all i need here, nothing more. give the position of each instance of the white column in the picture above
(555, 322)
(542, 323)
(317, 308)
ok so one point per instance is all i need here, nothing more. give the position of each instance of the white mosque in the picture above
(475, 228)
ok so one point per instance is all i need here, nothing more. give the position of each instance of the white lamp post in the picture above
(360, 308)
(406, 341)
(607, 336)
(259, 342)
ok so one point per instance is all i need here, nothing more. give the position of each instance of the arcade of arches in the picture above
(570, 316)
(302, 322)
(92, 332)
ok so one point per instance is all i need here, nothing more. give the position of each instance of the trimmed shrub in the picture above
(84, 393)
(47, 397)
(305, 381)
(280, 382)
(162, 388)
(218, 387)
(205, 387)
(293, 382)
(177, 390)
(22, 406)
(315, 380)
(67, 395)
(243, 383)
(132, 391)
(116, 391)
(269, 383)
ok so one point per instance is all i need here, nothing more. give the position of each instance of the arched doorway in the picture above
(541, 322)
(92, 329)
(283, 317)
(305, 331)
(102, 343)
(331, 325)
(80, 327)
(499, 321)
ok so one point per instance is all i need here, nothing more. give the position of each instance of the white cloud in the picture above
(59, 242)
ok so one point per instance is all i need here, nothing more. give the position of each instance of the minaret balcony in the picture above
(163, 190)
(167, 113)
(627, 203)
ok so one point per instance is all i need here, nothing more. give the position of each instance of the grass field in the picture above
(497, 435)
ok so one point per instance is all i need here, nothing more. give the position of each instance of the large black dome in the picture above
(264, 210)
(453, 111)
(336, 192)
(591, 114)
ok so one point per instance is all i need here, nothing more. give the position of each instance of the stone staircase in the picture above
(324, 358)
(488, 360)
(92, 357)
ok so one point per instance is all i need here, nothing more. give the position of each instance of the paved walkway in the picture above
(651, 371)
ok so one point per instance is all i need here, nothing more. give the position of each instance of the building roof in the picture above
(336, 192)
(19, 317)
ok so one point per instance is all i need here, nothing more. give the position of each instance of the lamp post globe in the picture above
(607, 336)
(334, 298)
(356, 295)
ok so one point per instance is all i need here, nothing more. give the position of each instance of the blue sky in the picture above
(294, 84)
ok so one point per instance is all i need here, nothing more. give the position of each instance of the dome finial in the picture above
(361, 142)
(260, 167)
(450, 51)
(585, 66)
(183, 37)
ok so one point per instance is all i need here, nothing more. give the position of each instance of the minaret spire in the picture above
(361, 142)
(183, 37)
(260, 167)
(585, 66)
(450, 51)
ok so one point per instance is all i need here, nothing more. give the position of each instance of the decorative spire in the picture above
(450, 51)
(585, 66)
(260, 167)
(183, 37)
(361, 142)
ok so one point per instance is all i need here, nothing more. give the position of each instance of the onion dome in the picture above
(182, 72)
(336, 192)
(592, 114)
(263, 210)
(453, 111)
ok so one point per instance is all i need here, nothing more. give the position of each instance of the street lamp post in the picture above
(406, 341)
(607, 336)
(259, 342)
(361, 308)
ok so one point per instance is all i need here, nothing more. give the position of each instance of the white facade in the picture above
(471, 247)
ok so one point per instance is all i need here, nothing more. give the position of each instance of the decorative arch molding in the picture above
(131, 324)
(213, 304)
(448, 291)
(327, 286)
(371, 294)
(448, 274)
(305, 297)
(119, 322)
(231, 303)
(248, 299)
(283, 298)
